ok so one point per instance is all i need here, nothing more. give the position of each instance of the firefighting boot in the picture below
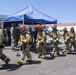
(5, 58)
(57, 52)
(75, 49)
(43, 56)
(52, 54)
(63, 51)
(20, 62)
(29, 60)
(69, 51)
(39, 55)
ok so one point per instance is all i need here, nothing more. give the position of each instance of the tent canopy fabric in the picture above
(30, 14)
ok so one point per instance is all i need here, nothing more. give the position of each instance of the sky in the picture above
(62, 10)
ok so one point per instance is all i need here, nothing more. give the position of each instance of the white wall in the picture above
(68, 27)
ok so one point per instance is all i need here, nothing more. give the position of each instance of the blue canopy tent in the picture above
(30, 15)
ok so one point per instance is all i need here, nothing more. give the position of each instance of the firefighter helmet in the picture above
(72, 28)
(38, 26)
(22, 27)
(64, 28)
(54, 26)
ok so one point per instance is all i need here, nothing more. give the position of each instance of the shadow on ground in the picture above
(12, 67)
(32, 62)
(72, 52)
(9, 67)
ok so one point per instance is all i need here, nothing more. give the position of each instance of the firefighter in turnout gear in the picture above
(55, 35)
(3, 57)
(41, 41)
(25, 44)
(72, 38)
(66, 40)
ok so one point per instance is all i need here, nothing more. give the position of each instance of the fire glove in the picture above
(19, 43)
(42, 42)
(24, 43)
(66, 39)
(54, 42)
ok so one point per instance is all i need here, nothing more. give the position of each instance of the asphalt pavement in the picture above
(64, 64)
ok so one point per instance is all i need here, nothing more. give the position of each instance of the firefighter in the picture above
(55, 35)
(2, 55)
(25, 44)
(72, 38)
(66, 40)
(41, 41)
